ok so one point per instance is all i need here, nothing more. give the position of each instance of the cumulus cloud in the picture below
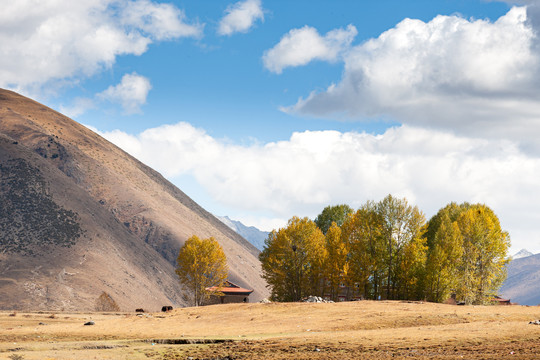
(52, 40)
(476, 77)
(313, 169)
(131, 93)
(301, 46)
(240, 17)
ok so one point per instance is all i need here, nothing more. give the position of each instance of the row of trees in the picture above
(387, 250)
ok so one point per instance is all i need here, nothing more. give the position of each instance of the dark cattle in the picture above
(139, 310)
(166, 308)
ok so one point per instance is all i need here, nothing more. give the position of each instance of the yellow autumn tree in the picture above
(336, 265)
(401, 224)
(292, 260)
(445, 253)
(485, 255)
(362, 232)
(467, 254)
(202, 264)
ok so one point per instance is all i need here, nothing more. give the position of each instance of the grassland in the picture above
(356, 330)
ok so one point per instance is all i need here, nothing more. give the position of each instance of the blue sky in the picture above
(261, 110)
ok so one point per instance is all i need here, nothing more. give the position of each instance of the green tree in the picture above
(202, 264)
(292, 260)
(330, 214)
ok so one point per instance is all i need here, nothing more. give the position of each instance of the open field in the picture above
(366, 329)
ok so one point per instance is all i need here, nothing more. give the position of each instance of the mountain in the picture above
(523, 282)
(521, 254)
(79, 216)
(255, 236)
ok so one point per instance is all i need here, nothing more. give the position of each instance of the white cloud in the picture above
(131, 93)
(52, 40)
(240, 17)
(317, 168)
(159, 21)
(79, 107)
(476, 77)
(301, 46)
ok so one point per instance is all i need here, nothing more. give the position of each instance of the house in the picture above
(232, 293)
(497, 300)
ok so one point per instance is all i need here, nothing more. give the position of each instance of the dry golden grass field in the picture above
(355, 330)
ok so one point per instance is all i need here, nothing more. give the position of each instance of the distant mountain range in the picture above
(255, 236)
(522, 285)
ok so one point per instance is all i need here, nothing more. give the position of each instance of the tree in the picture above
(485, 255)
(401, 225)
(362, 231)
(330, 214)
(411, 269)
(292, 260)
(336, 265)
(445, 251)
(467, 254)
(202, 264)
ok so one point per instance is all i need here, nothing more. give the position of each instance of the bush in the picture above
(106, 303)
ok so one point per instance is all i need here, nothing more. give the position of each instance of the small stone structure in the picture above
(316, 299)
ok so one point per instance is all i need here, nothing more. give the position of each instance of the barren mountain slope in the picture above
(138, 208)
(523, 282)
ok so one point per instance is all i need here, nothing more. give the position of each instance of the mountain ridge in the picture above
(136, 208)
(255, 236)
(522, 284)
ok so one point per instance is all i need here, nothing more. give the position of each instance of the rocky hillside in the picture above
(79, 216)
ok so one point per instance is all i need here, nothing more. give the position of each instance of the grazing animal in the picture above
(139, 310)
(166, 308)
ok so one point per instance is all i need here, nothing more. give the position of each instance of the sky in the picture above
(262, 110)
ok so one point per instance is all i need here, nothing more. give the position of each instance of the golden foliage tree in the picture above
(485, 248)
(292, 260)
(467, 254)
(202, 264)
(445, 251)
(336, 264)
(402, 224)
(362, 231)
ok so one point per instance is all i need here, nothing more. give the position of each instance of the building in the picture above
(232, 293)
(500, 301)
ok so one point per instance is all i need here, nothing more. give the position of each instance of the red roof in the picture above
(230, 289)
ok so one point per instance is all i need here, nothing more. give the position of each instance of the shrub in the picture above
(106, 303)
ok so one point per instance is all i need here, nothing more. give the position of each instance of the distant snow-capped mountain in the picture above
(255, 236)
(521, 254)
